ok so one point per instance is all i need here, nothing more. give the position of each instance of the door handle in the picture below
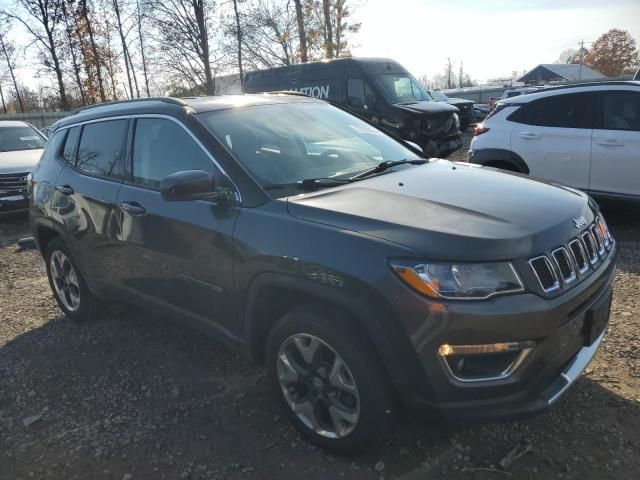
(610, 142)
(530, 135)
(64, 189)
(133, 208)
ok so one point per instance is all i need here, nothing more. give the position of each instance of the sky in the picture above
(491, 37)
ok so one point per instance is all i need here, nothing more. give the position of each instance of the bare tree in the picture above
(5, 51)
(73, 49)
(139, 18)
(128, 65)
(183, 40)
(41, 19)
(239, 37)
(94, 48)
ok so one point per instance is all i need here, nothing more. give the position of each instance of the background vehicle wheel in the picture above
(329, 379)
(67, 284)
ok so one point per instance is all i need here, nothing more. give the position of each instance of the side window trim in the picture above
(81, 125)
(129, 146)
(214, 162)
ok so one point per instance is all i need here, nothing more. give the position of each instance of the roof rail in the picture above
(172, 100)
(586, 84)
(287, 92)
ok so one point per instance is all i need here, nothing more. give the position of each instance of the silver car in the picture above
(20, 148)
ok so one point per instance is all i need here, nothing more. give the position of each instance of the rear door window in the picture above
(561, 111)
(621, 111)
(101, 149)
(162, 147)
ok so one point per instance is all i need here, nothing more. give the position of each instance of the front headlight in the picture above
(456, 119)
(459, 281)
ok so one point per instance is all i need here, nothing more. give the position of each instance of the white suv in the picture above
(586, 136)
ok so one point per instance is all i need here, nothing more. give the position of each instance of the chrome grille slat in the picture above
(13, 181)
(597, 234)
(590, 246)
(545, 273)
(579, 255)
(564, 264)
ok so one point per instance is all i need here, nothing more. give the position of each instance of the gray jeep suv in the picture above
(370, 281)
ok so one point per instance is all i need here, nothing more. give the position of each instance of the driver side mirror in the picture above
(191, 185)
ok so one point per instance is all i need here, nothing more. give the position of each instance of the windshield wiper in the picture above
(323, 181)
(308, 183)
(381, 167)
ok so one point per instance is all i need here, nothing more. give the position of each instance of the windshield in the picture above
(401, 88)
(20, 138)
(283, 144)
(438, 96)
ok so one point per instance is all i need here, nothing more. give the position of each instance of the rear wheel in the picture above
(67, 284)
(328, 379)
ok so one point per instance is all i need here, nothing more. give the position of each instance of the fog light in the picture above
(493, 361)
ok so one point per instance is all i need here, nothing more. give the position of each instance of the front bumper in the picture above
(14, 203)
(557, 326)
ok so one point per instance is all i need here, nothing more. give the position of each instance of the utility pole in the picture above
(580, 54)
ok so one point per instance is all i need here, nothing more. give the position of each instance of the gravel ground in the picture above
(131, 396)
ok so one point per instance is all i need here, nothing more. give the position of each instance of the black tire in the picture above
(341, 334)
(89, 306)
(504, 166)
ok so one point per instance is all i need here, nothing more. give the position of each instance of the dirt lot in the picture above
(131, 397)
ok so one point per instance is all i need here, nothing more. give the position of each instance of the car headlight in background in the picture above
(459, 281)
(456, 119)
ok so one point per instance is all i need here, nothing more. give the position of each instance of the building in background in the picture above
(560, 73)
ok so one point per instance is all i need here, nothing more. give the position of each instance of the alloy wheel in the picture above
(65, 281)
(318, 386)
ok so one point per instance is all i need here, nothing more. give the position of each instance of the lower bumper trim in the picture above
(571, 373)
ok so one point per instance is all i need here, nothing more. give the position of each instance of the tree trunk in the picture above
(239, 35)
(74, 58)
(4, 105)
(144, 60)
(301, 34)
(328, 28)
(94, 51)
(123, 40)
(338, 32)
(203, 40)
(13, 77)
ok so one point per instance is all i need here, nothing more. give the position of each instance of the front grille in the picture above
(574, 260)
(13, 182)
(545, 273)
(564, 264)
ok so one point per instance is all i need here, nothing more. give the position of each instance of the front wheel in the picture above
(329, 380)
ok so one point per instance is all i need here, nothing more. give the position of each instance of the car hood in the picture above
(426, 107)
(19, 161)
(459, 101)
(452, 211)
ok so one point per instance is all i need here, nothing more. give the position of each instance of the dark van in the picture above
(377, 89)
